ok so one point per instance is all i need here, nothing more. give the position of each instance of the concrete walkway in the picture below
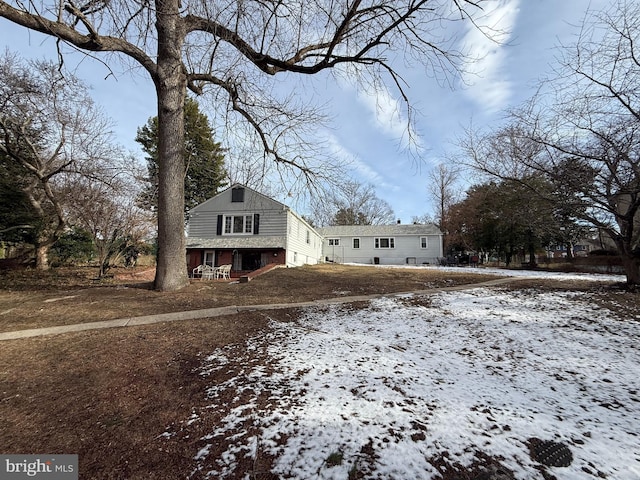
(231, 310)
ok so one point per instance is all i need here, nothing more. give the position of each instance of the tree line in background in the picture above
(505, 219)
(567, 163)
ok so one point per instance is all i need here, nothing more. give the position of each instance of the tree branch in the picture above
(92, 42)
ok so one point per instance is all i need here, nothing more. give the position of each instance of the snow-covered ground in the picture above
(400, 386)
(505, 272)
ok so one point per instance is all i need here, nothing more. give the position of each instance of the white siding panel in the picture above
(299, 252)
(202, 225)
(252, 201)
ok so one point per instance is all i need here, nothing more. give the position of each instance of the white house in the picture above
(383, 244)
(242, 227)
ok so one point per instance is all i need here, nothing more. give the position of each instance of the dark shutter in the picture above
(219, 227)
(256, 223)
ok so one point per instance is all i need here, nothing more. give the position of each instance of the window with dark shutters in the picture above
(245, 224)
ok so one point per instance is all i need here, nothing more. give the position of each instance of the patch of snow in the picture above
(391, 387)
(341, 292)
(505, 272)
(203, 452)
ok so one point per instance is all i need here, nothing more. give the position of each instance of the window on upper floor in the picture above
(384, 242)
(423, 242)
(238, 224)
(334, 242)
(308, 237)
(356, 243)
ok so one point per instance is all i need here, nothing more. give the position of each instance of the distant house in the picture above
(248, 230)
(383, 244)
(580, 249)
(583, 247)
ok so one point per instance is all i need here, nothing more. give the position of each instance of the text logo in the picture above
(49, 467)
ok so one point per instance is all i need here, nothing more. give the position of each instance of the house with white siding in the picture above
(242, 227)
(398, 244)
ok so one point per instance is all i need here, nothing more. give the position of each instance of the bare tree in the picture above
(423, 219)
(443, 189)
(110, 213)
(49, 130)
(231, 50)
(591, 133)
(582, 131)
(506, 152)
(352, 203)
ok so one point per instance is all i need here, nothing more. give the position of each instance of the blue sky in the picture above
(372, 138)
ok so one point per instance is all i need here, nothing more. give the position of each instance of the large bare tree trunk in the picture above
(631, 265)
(630, 262)
(47, 235)
(171, 88)
(42, 256)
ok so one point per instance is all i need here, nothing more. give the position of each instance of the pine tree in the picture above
(204, 159)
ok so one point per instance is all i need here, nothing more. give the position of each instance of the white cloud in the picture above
(360, 168)
(386, 109)
(389, 117)
(489, 85)
(388, 113)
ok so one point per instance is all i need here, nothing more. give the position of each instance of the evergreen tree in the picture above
(18, 220)
(204, 159)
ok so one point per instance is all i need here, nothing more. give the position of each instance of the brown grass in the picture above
(66, 296)
(109, 395)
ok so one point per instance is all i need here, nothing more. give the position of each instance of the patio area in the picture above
(208, 272)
